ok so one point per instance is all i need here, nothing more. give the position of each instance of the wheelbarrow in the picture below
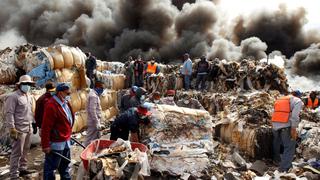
(100, 144)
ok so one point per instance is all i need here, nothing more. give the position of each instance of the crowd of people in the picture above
(54, 116)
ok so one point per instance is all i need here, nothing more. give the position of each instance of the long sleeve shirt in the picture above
(296, 105)
(187, 67)
(93, 109)
(18, 111)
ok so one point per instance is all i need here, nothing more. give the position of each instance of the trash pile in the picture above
(179, 140)
(117, 160)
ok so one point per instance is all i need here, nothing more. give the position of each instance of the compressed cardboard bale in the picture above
(80, 122)
(75, 102)
(118, 82)
(50, 59)
(84, 98)
(75, 81)
(77, 57)
(105, 100)
(67, 57)
(57, 58)
(83, 79)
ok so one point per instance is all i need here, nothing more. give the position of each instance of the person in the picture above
(155, 98)
(56, 132)
(202, 71)
(312, 101)
(285, 120)
(124, 104)
(19, 119)
(91, 65)
(169, 99)
(152, 67)
(129, 72)
(189, 102)
(128, 122)
(94, 113)
(186, 71)
(138, 99)
(41, 102)
(138, 72)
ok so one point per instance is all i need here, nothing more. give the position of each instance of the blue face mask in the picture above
(99, 90)
(25, 88)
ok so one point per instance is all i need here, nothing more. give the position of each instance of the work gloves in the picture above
(35, 128)
(100, 127)
(14, 133)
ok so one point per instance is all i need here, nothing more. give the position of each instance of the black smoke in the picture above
(281, 30)
(307, 62)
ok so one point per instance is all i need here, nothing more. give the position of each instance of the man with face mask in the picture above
(40, 104)
(56, 132)
(189, 102)
(128, 122)
(19, 119)
(138, 99)
(155, 98)
(94, 113)
(169, 99)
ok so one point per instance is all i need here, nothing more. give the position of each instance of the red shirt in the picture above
(55, 126)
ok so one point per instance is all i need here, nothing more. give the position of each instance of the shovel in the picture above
(79, 143)
(73, 162)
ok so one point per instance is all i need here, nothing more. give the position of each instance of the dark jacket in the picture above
(127, 122)
(138, 67)
(55, 126)
(125, 102)
(91, 64)
(40, 105)
(203, 67)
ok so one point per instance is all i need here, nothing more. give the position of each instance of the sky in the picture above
(244, 7)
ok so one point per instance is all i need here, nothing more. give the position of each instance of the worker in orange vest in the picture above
(152, 67)
(312, 101)
(285, 120)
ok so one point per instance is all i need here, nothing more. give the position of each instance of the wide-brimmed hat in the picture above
(25, 79)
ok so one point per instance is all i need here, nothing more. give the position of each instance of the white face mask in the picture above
(171, 98)
(67, 98)
(143, 117)
(25, 88)
(156, 101)
(143, 97)
(186, 101)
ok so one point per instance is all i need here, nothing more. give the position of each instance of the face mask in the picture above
(67, 98)
(99, 91)
(52, 93)
(186, 101)
(156, 101)
(143, 97)
(171, 98)
(25, 88)
(143, 117)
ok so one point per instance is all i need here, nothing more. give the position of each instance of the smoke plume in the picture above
(307, 62)
(281, 30)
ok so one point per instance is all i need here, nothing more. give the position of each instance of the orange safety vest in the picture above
(314, 104)
(281, 110)
(151, 68)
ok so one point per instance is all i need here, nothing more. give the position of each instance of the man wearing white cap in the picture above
(19, 119)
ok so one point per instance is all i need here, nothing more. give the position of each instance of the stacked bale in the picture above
(112, 81)
(7, 67)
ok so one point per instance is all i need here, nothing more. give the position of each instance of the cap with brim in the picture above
(62, 87)
(143, 111)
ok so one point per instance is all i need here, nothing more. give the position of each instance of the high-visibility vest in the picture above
(151, 68)
(314, 104)
(281, 110)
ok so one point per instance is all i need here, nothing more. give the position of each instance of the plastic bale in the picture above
(67, 56)
(75, 102)
(57, 58)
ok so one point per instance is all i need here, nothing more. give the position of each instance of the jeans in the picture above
(283, 137)
(201, 78)
(187, 79)
(53, 162)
